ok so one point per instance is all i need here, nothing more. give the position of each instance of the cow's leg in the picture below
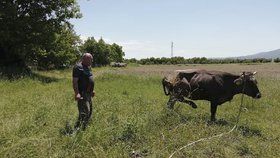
(171, 102)
(213, 111)
(191, 103)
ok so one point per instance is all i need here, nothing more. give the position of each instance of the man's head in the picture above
(87, 59)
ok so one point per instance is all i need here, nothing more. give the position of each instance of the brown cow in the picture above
(214, 86)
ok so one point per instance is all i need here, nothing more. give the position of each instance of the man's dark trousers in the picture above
(85, 111)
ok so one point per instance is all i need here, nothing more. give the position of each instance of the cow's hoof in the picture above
(210, 122)
(213, 120)
(194, 106)
(170, 107)
(222, 122)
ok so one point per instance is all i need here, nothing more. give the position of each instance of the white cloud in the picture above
(143, 49)
(138, 48)
(83, 38)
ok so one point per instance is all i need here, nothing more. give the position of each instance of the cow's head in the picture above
(167, 86)
(249, 83)
(175, 88)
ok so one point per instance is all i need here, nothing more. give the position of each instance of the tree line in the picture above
(197, 60)
(277, 60)
(39, 33)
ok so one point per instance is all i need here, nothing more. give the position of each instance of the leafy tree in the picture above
(102, 52)
(30, 29)
(61, 53)
(132, 60)
(90, 46)
(116, 53)
(277, 60)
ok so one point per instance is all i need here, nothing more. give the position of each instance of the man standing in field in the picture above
(83, 85)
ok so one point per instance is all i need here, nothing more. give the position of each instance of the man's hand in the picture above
(76, 90)
(78, 96)
(93, 94)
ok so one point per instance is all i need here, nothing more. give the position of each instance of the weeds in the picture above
(130, 117)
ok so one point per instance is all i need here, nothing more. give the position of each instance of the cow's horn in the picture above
(254, 72)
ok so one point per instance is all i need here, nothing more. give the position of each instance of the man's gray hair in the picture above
(87, 55)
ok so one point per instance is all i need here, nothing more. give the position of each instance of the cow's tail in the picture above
(165, 86)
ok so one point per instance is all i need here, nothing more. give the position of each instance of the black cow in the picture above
(215, 86)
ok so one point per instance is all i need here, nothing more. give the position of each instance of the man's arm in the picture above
(91, 86)
(76, 89)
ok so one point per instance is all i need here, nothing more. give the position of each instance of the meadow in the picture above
(130, 116)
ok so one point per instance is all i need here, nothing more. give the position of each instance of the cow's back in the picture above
(188, 73)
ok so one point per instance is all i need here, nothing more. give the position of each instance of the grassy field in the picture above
(130, 114)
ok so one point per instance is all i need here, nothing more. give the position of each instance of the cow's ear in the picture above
(238, 81)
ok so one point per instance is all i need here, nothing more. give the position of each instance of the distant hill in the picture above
(268, 55)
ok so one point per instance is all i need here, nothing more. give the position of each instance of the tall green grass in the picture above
(129, 115)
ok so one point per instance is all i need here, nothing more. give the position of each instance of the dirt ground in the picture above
(264, 70)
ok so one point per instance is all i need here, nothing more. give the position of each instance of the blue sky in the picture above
(198, 28)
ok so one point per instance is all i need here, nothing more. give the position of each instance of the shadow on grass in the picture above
(245, 130)
(249, 132)
(14, 73)
(67, 130)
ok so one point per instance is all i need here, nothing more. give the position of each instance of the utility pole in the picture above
(172, 49)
